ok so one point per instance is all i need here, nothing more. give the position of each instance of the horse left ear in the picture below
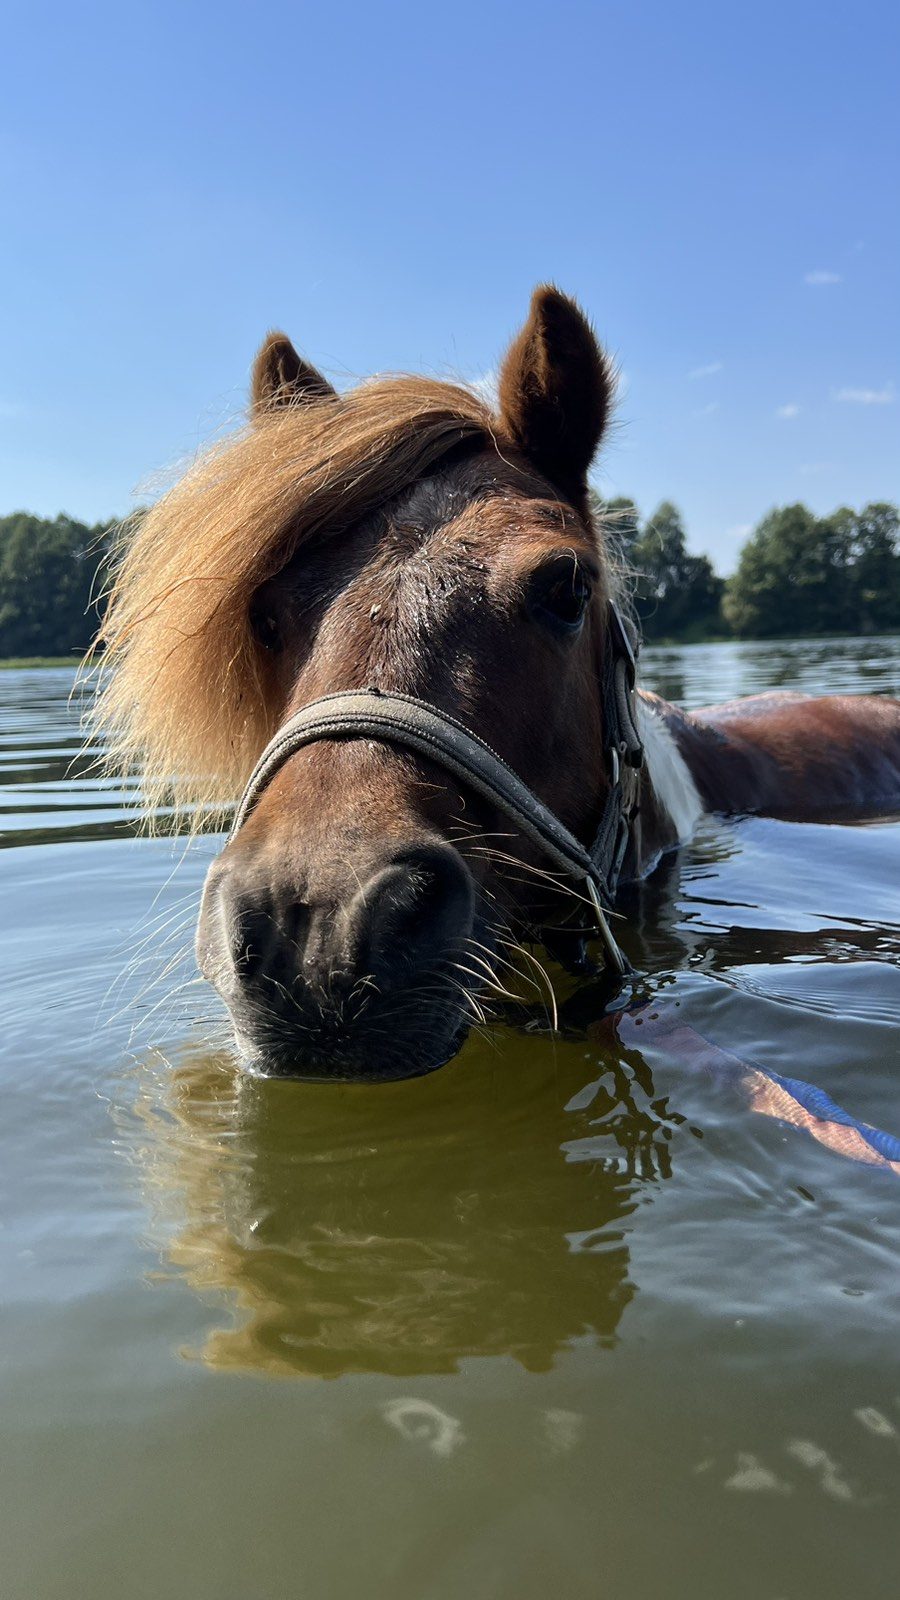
(281, 377)
(556, 391)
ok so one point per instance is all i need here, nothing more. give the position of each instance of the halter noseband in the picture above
(415, 725)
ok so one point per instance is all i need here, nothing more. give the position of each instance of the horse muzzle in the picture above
(350, 975)
(361, 975)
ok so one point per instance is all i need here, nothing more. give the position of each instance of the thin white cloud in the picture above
(790, 410)
(867, 397)
(707, 411)
(741, 530)
(709, 371)
(821, 277)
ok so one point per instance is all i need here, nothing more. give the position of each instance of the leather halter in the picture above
(415, 725)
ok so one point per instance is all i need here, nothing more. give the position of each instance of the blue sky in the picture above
(717, 184)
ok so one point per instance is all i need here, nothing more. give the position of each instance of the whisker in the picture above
(493, 985)
(546, 977)
(559, 882)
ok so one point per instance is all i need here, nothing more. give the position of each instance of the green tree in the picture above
(876, 568)
(48, 574)
(794, 576)
(676, 594)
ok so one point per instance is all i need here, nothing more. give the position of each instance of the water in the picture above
(589, 1325)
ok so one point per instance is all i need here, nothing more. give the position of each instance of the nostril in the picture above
(295, 923)
(266, 944)
(411, 914)
(251, 942)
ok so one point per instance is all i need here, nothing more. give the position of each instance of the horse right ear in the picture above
(556, 391)
(282, 378)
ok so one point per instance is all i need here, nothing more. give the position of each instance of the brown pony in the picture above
(406, 538)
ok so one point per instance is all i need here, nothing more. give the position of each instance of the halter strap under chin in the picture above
(415, 725)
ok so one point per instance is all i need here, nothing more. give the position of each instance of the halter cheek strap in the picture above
(415, 725)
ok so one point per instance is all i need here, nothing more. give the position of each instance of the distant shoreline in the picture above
(39, 661)
(767, 638)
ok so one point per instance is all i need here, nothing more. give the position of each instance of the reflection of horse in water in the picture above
(491, 1218)
(483, 1222)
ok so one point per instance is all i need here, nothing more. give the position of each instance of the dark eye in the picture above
(265, 626)
(559, 596)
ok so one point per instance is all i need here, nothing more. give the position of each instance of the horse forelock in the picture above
(186, 695)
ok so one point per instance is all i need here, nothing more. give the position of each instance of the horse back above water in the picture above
(404, 540)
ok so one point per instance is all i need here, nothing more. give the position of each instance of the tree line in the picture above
(796, 574)
(50, 581)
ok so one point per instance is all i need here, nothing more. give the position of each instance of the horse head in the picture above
(404, 538)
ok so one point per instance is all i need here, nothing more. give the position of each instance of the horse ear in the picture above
(556, 391)
(282, 378)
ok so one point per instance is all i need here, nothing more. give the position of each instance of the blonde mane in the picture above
(186, 696)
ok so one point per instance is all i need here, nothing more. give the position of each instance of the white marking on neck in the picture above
(669, 774)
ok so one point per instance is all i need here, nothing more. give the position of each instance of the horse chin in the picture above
(269, 1058)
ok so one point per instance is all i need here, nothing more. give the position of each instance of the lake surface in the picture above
(562, 1319)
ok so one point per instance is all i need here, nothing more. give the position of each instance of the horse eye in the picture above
(265, 628)
(560, 597)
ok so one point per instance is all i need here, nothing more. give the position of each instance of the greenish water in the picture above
(560, 1319)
